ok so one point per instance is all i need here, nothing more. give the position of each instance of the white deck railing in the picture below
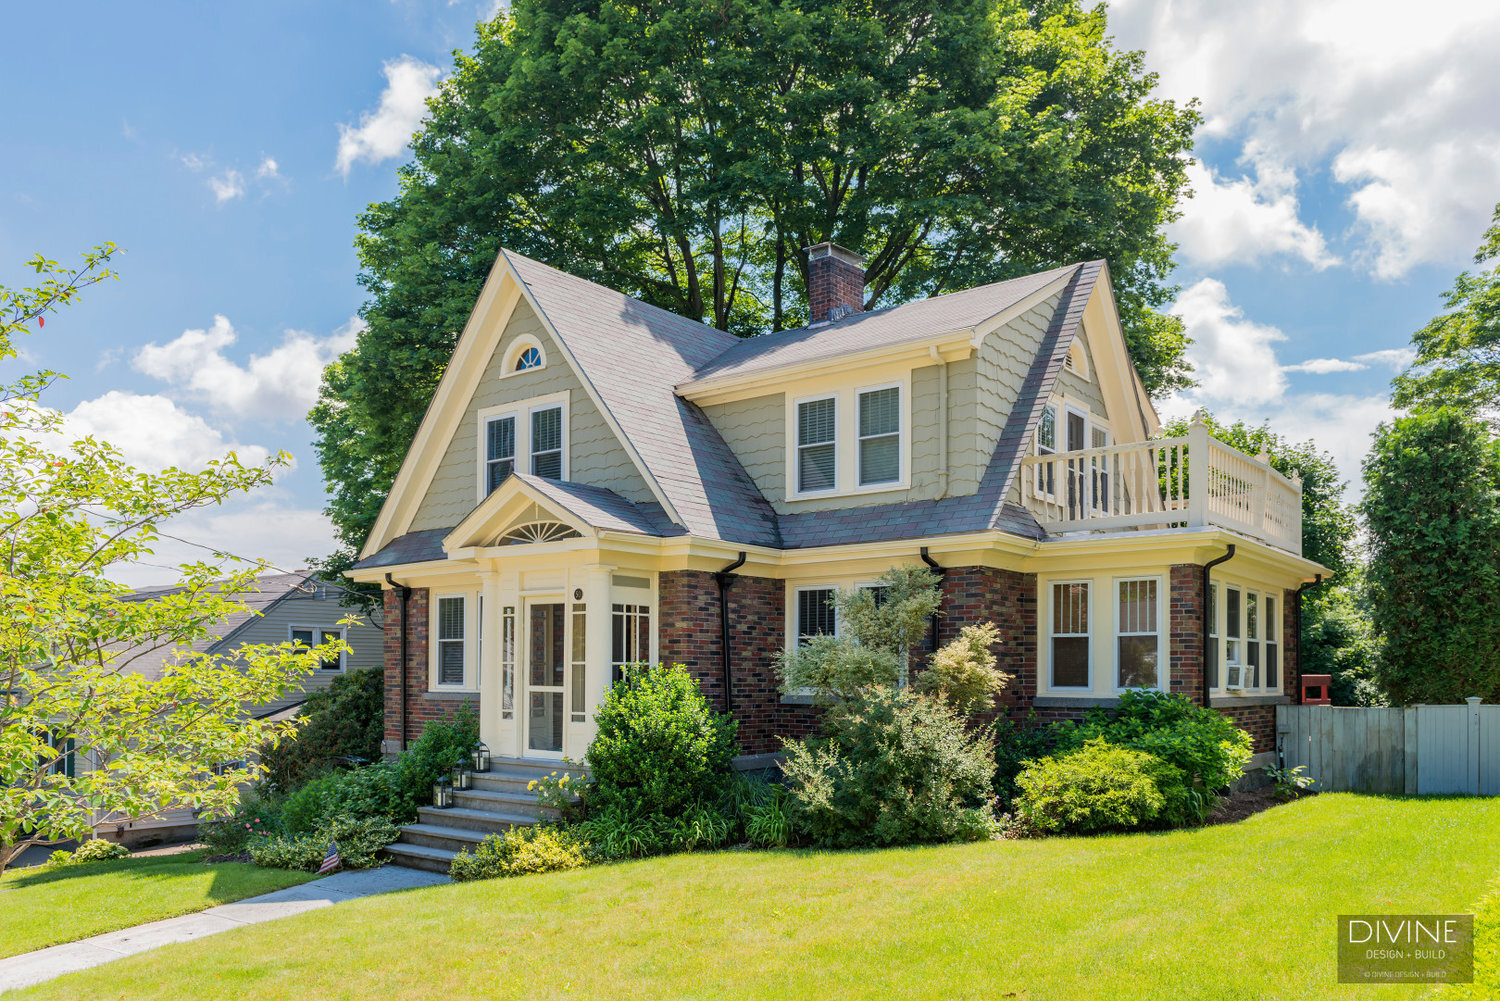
(1157, 484)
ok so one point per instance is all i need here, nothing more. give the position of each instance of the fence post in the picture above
(1473, 701)
(1197, 470)
(1409, 749)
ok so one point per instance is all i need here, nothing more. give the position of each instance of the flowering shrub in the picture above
(521, 850)
(566, 793)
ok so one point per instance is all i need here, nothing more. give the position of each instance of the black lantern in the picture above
(442, 793)
(481, 757)
(461, 775)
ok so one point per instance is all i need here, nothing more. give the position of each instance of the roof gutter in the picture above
(1207, 611)
(724, 577)
(1318, 581)
(401, 674)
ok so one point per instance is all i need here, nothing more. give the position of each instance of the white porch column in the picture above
(489, 660)
(597, 645)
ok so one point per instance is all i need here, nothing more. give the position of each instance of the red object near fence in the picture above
(1315, 689)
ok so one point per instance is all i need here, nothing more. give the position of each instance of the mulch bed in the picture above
(1245, 803)
(231, 857)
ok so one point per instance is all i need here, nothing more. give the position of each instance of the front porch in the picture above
(1157, 484)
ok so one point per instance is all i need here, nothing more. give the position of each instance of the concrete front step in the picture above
(421, 857)
(441, 836)
(483, 821)
(521, 803)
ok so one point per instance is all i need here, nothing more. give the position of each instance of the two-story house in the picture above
(598, 482)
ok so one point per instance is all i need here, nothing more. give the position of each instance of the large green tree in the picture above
(1458, 354)
(687, 153)
(83, 738)
(1432, 502)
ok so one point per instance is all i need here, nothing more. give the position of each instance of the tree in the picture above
(1458, 354)
(1432, 502)
(687, 153)
(81, 736)
(963, 672)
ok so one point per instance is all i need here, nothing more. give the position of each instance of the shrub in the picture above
(360, 841)
(346, 719)
(521, 850)
(565, 792)
(92, 850)
(615, 833)
(894, 766)
(1206, 745)
(660, 750)
(1097, 787)
(1289, 783)
(442, 744)
(833, 667)
(963, 672)
(258, 814)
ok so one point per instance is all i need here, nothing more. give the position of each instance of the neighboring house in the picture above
(278, 608)
(598, 481)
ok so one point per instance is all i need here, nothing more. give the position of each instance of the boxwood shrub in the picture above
(1098, 787)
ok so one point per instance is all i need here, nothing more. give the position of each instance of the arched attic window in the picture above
(537, 531)
(530, 358)
(525, 354)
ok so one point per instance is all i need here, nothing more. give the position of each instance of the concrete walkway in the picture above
(45, 964)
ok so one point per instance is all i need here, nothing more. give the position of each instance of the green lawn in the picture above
(43, 907)
(1239, 911)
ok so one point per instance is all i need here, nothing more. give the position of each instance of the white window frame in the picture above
(1272, 635)
(317, 631)
(434, 672)
(902, 420)
(797, 446)
(1163, 668)
(1088, 633)
(521, 411)
(513, 354)
(562, 438)
(1271, 628)
(795, 633)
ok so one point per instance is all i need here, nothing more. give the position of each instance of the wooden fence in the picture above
(1416, 751)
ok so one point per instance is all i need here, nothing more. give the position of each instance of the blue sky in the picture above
(1349, 165)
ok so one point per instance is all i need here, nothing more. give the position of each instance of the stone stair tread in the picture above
(449, 833)
(465, 813)
(421, 851)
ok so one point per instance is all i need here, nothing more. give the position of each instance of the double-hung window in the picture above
(1070, 635)
(817, 445)
(1213, 636)
(308, 636)
(1250, 643)
(451, 633)
(630, 637)
(815, 613)
(1252, 639)
(547, 442)
(880, 436)
(1137, 634)
(1273, 645)
(499, 451)
(1235, 675)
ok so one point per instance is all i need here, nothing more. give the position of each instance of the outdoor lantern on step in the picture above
(442, 793)
(482, 757)
(462, 775)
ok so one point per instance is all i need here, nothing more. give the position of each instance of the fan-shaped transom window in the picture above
(530, 358)
(537, 531)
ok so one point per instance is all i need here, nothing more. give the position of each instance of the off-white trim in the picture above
(1163, 627)
(845, 393)
(521, 411)
(903, 439)
(435, 600)
(794, 439)
(1045, 609)
(518, 347)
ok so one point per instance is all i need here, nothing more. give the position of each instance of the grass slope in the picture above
(43, 907)
(1239, 911)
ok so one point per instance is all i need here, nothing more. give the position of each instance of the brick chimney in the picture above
(835, 282)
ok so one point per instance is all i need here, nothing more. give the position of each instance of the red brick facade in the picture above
(689, 634)
(421, 705)
(688, 609)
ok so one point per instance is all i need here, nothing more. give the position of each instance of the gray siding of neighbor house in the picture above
(981, 392)
(365, 637)
(595, 454)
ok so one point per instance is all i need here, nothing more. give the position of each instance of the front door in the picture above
(546, 678)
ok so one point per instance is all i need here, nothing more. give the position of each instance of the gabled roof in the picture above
(265, 592)
(633, 355)
(587, 509)
(954, 311)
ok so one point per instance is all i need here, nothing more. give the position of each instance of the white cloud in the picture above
(1233, 358)
(153, 432)
(228, 185)
(1393, 358)
(1325, 366)
(1397, 103)
(384, 132)
(279, 385)
(1242, 221)
(192, 161)
(1241, 378)
(267, 169)
(259, 527)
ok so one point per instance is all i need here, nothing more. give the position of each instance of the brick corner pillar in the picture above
(1291, 646)
(1185, 615)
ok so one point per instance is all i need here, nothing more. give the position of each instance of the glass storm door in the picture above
(546, 677)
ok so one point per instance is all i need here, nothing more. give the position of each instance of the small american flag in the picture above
(331, 861)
